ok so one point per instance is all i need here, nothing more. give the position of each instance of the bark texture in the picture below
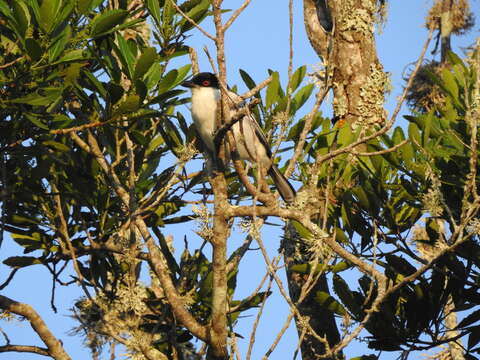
(54, 346)
(350, 57)
(320, 319)
(342, 34)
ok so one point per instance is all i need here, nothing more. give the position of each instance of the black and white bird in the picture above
(250, 142)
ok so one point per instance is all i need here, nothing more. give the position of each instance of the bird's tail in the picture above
(286, 190)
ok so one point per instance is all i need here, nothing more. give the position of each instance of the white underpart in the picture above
(204, 108)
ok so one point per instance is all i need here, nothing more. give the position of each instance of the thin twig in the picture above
(3, 195)
(82, 127)
(191, 21)
(156, 258)
(306, 128)
(5, 336)
(210, 59)
(283, 292)
(254, 91)
(259, 314)
(11, 62)
(381, 152)
(194, 60)
(287, 121)
(239, 114)
(236, 14)
(279, 336)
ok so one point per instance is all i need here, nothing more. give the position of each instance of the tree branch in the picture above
(55, 348)
(157, 261)
(236, 14)
(25, 348)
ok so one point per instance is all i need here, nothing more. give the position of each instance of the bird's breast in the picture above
(204, 110)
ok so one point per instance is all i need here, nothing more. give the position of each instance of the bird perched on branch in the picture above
(249, 140)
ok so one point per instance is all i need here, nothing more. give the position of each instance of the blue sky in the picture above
(256, 42)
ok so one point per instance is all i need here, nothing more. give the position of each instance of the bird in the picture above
(250, 142)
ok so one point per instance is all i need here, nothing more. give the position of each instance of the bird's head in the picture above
(202, 80)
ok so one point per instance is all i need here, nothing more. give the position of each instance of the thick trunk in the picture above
(350, 56)
(319, 318)
(342, 34)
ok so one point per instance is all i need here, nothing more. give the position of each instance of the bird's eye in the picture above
(206, 83)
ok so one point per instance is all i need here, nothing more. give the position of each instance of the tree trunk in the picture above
(342, 34)
(350, 57)
(320, 319)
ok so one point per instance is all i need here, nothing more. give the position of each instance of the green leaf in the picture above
(345, 135)
(35, 8)
(144, 62)
(252, 302)
(205, 288)
(23, 220)
(131, 104)
(73, 55)
(56, 145)
(153, 7)
(363, 199)
(97, 85)
(340, 236)
(197, 14)
(166, 96)
(454, 59)
(34, 50)
(48, 14)
(84, 6)
(126, 55)
(72, 73)
(414, 132)
(61, 121)
(21, 261)
(302, 96)
(171, 135)
(65, 12)
(141, 89)
(34, 119)
(400, 265)
(22, 17)
(28, 242)
(182, 73)
(59, 45)
(105, 22)
(302, 230)
(273, 90)
(168, 81)
(449, 83)
(297, 78)
(398, 135)
(341, 266)
(327, 301)
(346, 296)
(42, 97)
(153, 75)
(247, 79)
(4, 8)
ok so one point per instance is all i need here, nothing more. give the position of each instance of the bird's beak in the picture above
(188, 84)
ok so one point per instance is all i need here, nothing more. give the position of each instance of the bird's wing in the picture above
(235, 99)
